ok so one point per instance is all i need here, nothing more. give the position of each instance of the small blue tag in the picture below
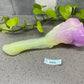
(53, 62)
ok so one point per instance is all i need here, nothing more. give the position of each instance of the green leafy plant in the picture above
(75, 6)
(4, 28)
(4, 18)
(51, 13)
(38, 11)
(12, 22)
(39, 6)
(80, 15)
(39, 27)
(65, 12)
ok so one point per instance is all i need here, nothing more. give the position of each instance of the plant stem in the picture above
(35, 17)
(43, 16)
(34, 25)
(47, 16)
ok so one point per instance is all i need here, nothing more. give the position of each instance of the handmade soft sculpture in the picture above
(68, 32)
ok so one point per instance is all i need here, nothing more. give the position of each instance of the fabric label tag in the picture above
(52, 62)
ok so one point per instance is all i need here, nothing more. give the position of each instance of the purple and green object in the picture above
(69, 32)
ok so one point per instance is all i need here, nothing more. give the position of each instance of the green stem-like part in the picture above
(34, 25)
(18, 47)
(47, 16)
(35, 17)
(43, 16)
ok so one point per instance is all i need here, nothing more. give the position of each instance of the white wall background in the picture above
(49, 3)
(25, 7)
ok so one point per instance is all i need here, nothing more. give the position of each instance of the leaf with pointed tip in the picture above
(51, 12)
(38, 11)
(39, 27)
(12, 22)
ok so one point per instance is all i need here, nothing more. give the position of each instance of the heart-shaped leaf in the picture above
(12, 22)
(80, 15)
(65, 11)
(51, 13)
(39, 27)
(38, 11)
